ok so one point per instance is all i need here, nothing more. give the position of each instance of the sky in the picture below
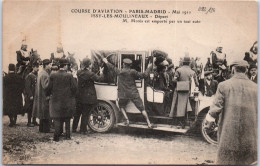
(233, 26)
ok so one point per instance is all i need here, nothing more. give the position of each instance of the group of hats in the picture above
(160, 61)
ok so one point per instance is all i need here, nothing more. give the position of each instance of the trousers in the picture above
(44, 126)
(58, 125)
(83, 110)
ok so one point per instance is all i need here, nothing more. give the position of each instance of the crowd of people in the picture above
(60, 91)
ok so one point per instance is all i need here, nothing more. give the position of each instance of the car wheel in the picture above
(101, 118)
(210, 135)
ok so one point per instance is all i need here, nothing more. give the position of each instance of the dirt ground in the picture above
(24, 145)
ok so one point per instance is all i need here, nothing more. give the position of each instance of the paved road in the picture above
(23, 145)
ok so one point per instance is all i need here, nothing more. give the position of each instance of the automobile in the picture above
(106, 114)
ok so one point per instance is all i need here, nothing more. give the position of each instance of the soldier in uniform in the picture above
(62, 90)
(86, 95)
(41, 100)
(57, 55)
(13, 86)
(235, 105)
(23, 58)
(127, 89)
(218, 60)
(181, 102)
(30, 83)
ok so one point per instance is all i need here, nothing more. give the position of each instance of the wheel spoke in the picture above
(102, 118)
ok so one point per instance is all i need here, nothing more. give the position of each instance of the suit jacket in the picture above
(235, 104)
(13, 86)
(86, 90)
(62, 90)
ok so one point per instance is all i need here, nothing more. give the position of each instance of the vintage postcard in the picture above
(130, 82)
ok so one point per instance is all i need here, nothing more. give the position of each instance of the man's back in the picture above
(126, 83)
(61, 83)
(62, 88)
(237, 98)
(184, 73)
(13, 86)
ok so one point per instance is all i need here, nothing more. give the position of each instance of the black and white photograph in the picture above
(140, 82)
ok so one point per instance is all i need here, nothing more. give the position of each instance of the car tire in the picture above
(101, 117)
(210, 135)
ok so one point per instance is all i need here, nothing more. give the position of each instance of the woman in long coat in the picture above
(180, 103)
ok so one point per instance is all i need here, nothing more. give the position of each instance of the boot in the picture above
(68, 136)
(56, 138)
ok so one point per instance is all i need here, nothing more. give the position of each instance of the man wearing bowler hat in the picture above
(62, 89)
(41, 100)
(181, 101)
(86, 95)
(127, 89)
(235, 105)
(13, 86)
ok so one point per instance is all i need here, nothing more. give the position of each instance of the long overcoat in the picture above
(41, 100)
(62, 89)
(86, 89)
(30, 84)
(236, 104)
(13, 86)
(180, 101)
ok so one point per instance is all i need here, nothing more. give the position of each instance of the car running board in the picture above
(160, 127)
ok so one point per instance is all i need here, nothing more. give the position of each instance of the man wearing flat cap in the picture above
(86, 94)
(235, 105)
(209, 86)
(13, 86)
(41, 100)
(30, 84)
(127, 88)
(62, 89)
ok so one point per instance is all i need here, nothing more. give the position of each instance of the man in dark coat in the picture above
(162, 82)
(209, 86)
(127, 88)
(62, 90)
(252, 73)
(30, 83)
(181, 101)
(13, 86)
(86, 95)
(41, 100)
(235, 105)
